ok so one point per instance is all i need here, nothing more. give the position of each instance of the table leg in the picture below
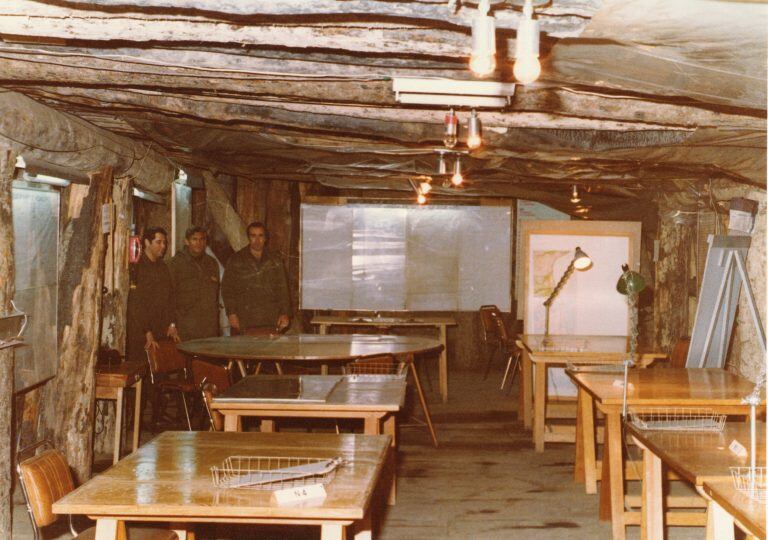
(137, 415)
(526, 391)
(578, 461)
(267, 425)
(323, 329)
(109, 529)
(231, 422)
(372, 425)
(332, 531)
(443, 371)
(722, 525)
(363, 529)
(423, 401)
(612, 481)
(652, 513)
(241, 366)
(390, 428)
(118, 425)
(585, 427)
(539, 405)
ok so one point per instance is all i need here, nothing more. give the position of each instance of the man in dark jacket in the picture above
(150, 299)
(254, 288)
(195, 279)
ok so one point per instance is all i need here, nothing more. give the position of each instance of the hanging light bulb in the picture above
(457, 179)
(451, 133)
(482, 62)
(442, 168)
(474, 132)
(425, 187)
(575, 194)
(527, 66)
(421, 198)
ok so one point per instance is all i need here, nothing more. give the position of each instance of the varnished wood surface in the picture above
(170, 478)
(345, 396)
(120, 375)
(307, 346)
(575, 346)
(748, 513)
(699, 457)
(668, 387)
(383, 322)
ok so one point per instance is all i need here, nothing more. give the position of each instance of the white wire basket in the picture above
(678, 419)
(750, 481)
(269, 473)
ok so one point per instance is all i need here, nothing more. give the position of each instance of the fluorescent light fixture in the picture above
(147, 196)
(20, 163)
(453, 93)
(46, 179)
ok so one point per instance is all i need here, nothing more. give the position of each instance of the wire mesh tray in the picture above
(678, 419)
(269, 473)
(750, 481)
(595, 368)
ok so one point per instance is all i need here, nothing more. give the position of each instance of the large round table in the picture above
(317, 348)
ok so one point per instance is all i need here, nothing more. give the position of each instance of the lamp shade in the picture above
(581, 260)
(630, 282)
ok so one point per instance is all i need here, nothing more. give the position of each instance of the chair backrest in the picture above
(383, 364)
(166, 359)
(489, 317)
(680, 352)
(45, 478)
(212, 373)
(210, 391)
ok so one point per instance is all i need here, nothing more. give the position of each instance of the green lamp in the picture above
(630, 282)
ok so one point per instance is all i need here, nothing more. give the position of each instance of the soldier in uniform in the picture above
(195, 279)
(254, 287)
(150, 299)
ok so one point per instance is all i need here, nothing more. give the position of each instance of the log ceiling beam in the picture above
(566, 19)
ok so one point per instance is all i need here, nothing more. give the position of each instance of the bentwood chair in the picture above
(384, 364)
(168, 373)
(209, 391)
(46, 478)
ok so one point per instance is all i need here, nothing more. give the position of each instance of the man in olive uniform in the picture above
(150, 299)
(254, 288)
(195, 279)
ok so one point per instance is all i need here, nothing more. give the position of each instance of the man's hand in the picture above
(173, 333)
(282, 322)
(234, 322)
(151, 343)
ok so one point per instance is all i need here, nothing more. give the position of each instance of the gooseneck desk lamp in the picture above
(580, 261)
(630, 284)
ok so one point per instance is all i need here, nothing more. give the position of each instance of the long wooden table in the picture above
(169, 480)
(695, 457)
(541, 352)
(729, 507)
(324, 323)
(375, 403)
(319, 349)
(716, 389)
(111, 382)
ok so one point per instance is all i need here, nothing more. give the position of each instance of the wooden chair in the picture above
(384, 364)
(216, 374)
(46, 478)
(497, 340)
(209, 391)
(168, 373)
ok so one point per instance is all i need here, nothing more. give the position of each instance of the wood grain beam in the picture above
(566, 19)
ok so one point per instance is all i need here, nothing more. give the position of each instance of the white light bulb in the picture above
(474, 141)
(457, 179)
(527, 69)
(421, 198)
(482, 65)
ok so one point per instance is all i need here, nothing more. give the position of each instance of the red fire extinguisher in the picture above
(134, 248)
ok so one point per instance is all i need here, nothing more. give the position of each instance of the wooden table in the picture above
(320, 349)
(324, 322)
(544, 352)
(716, 389)
(169, 480)
(729, 507)
(376, 403)
(111, 382)
(695, 457)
